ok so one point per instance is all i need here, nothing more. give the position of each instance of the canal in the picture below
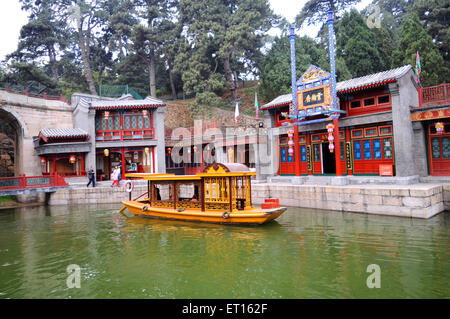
(303, 254)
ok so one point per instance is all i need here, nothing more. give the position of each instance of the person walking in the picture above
(91, 176)
(115, 177)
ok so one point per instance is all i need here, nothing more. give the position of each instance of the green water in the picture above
(303, 254)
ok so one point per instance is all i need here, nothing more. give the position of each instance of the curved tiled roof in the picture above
(350, 85)
(63, 133)
(128, 103)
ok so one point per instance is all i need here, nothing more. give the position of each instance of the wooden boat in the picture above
(220, 194)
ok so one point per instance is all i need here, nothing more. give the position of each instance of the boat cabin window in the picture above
(217, 189)
(188, 192)
(162, 192)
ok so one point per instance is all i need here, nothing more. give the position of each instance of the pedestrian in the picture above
(91, 176)
(115, 177)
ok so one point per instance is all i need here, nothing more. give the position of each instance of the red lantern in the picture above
(144, 114)
(72, 159)
(106, 115)
(169, 150)
(195, 148)
(290, 150)
(106, 152)
(43, 161)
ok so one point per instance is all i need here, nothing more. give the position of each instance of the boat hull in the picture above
(254, 216)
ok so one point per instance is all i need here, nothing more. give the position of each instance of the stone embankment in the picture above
(416, 200)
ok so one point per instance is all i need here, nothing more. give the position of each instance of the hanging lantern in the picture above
(144, 114)
(330, 129)
(169, 150)
(43, 161)
(195, 148)
(106, 115)
(290, 150)
(106, 152)
(290, 133)
(147, 151)
(439, 127)
(291, 142)
(72, 159)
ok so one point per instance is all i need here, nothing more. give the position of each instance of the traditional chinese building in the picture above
(124, 132)
(375, 131)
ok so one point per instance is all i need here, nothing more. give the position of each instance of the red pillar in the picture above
(337, 147)
(420, 95)
(297, 151)
(310, 155)
(122, 151)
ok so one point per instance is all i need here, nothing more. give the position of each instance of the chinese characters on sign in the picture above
(313, 97)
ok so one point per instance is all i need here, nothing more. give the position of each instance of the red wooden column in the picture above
(420, 95)
(297, 156)
(337, 148)
(122, 151)
(309, 154)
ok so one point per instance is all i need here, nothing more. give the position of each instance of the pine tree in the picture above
(356, 46)
(415, 39)
(276, 69)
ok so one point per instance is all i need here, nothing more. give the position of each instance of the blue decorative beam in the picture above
(332, 62)
(293, 110)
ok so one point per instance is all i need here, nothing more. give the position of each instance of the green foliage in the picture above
(356, 46)
(276, 65)
(435, 16)
(414, 38)
(224, 36)
(315, 11)
(203, 105)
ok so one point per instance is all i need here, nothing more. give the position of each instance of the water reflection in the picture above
(304, 254)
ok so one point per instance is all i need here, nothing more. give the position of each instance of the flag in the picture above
(256, 105)
(236, 113)
(418, 67)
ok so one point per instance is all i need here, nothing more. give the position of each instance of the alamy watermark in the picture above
(74, 278)
(374, 279)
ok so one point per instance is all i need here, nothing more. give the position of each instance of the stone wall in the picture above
(446, 196)
(33, 114)
(93, 195)
(418, 200)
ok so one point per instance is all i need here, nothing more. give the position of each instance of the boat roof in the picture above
(212, 170)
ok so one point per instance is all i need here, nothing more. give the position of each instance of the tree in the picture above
(148, 38)
(227, 31)
(435, 16)
(41, 38)
(355, 45)
(385, 47)
(88, 16)
(315, 11)
(415, 39)
(276, 65)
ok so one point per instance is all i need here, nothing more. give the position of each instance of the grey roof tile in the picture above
(368, 80)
